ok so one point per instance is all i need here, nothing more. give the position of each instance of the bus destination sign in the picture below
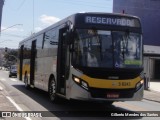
(111, 21)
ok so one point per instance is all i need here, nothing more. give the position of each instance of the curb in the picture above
(151, 95)
(151, 100)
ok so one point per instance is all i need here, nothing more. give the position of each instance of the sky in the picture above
(21, 18)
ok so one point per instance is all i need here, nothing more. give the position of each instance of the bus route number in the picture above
(124, 84)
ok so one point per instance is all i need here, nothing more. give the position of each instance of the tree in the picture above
(11, 56)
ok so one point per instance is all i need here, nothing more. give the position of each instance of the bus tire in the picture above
(26, 81)
(52, 91)
(108, 103)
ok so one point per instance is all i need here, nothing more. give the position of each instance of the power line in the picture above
(19, 7)
(21, 4)
(86, 2)
(82, 3)
(9, 27)
(12, 35)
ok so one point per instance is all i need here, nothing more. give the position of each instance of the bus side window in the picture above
(43, 40)
(49, 39)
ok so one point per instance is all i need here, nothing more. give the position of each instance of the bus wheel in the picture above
(26, 82)
(109, 103)
(52, 90)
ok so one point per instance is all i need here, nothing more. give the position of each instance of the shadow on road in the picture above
(72, 108)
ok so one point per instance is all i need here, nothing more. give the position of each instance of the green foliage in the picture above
(11, 55)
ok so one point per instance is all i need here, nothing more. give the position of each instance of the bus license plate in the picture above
(112, 95)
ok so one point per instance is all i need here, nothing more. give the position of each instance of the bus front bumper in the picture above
(78, 93)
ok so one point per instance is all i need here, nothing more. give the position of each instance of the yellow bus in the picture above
(86, 56)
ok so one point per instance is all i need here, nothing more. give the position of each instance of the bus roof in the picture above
(72, 18)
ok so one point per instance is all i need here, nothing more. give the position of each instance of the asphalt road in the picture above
(37, 100)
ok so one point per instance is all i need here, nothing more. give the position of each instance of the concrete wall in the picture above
(148, 11)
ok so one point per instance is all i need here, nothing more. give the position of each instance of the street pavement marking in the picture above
(1, 88)
(17, 106)
(2, 79)
(129, 106)
(13, 79)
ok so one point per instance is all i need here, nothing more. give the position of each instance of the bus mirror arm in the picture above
(69, 37)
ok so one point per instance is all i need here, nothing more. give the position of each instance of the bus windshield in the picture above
(107, 49)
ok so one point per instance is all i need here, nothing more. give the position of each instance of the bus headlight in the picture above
(80, 82)
(139, 84)
(84, 85)
(77, 80)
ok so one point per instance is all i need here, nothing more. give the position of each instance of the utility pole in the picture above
(33, 16)
(1, 7)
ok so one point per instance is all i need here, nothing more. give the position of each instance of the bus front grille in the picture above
(102, 93)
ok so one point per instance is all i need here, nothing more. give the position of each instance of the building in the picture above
(149, 13)
(1, 7)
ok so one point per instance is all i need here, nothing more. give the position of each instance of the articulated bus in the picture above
(86, 56)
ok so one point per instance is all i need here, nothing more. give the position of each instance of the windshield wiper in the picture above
(125, 39)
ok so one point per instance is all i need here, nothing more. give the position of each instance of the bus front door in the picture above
(21, 63)
(32, 62)
(62, 58)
